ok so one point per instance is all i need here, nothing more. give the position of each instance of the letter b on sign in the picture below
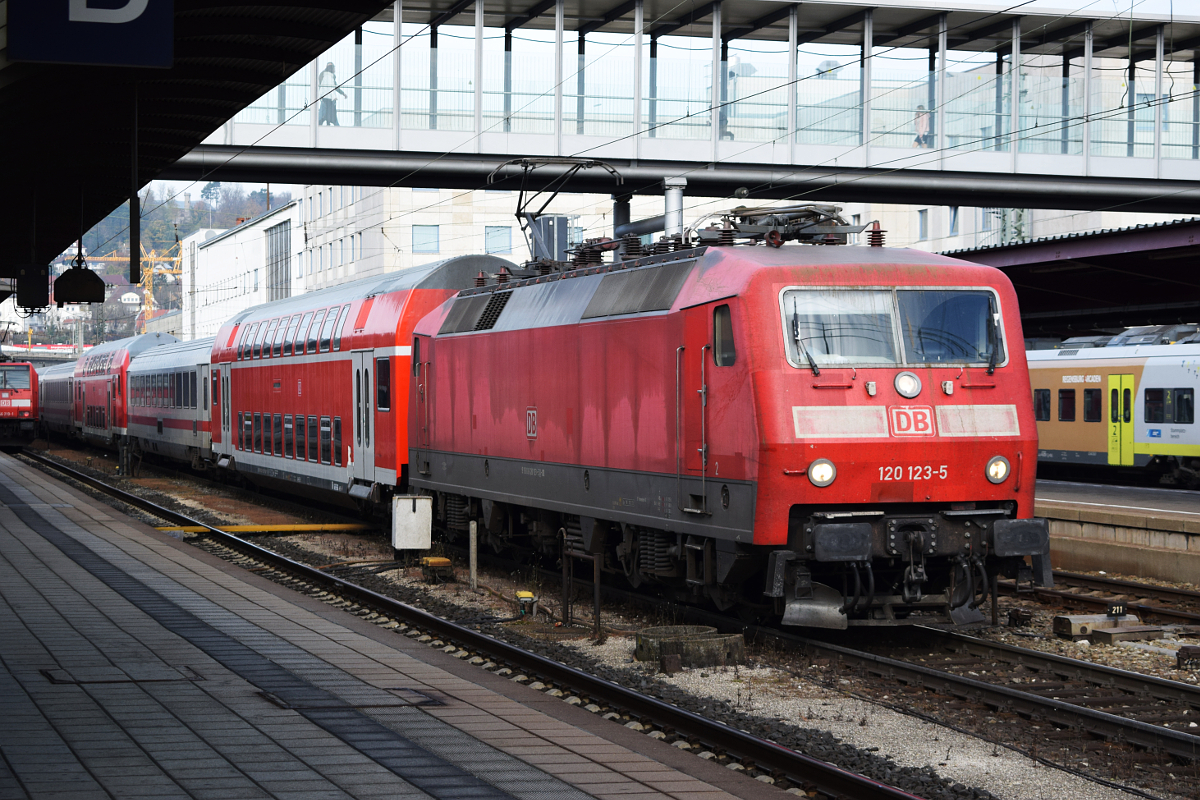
(912, 421)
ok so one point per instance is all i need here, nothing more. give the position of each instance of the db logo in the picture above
(912, 420)
(531, 422)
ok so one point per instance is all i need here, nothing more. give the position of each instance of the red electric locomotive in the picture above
(18, 403)
(835, 435)
(313, 389)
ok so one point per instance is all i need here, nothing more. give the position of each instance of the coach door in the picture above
(226, 429)
(364, 417)
(1120, 420)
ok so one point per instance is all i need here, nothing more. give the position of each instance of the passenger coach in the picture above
(314, 389)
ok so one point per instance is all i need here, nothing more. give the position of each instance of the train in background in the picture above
(834, 436)
(18, 403)
(1122, 407)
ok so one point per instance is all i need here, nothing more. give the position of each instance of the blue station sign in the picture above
(116, 33)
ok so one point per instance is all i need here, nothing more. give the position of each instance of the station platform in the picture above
(1146, 532)
(134, 665)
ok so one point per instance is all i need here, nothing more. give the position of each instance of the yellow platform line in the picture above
(320, 528)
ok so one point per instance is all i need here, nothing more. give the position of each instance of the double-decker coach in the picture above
(314, 388)
(100, 399)
(168, 401)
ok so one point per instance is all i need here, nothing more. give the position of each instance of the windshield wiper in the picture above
(812, 364)
(993, 339)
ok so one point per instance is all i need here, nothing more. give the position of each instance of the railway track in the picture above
(808, 773)
(1094, 592)
(1082, 702)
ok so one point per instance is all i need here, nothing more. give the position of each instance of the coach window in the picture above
(341, 323)
(290, 336)
(264, 333)
(1041, 405)
(289, 448)
(367, 407)
(258, 433)
(247, 423)
(314, 332)
(298, 342)
(337, 440)
(300, 449)
(1185, 406)
(327, 330)
(278, 435)
(1066, 405)
(241, 440)
(204, 407)
(1093, 400)
(176, 390)
(312, 439)
(358, 406)
(383, 384)
(1155, 405)
(216, 389)
(724, 353)
(268, 434)
(277, 345)
(326, 449)
(247, 342)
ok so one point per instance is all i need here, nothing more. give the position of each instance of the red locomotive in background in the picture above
(833, 435)
(18, 403)
(838, 435)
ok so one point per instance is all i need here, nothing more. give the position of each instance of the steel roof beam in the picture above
(693, 16)
(1116, 41)
(611, 16)
(451, 13)
(985, 32)
(909, 29)
(836, 26)
(760, 23)
(526, 17)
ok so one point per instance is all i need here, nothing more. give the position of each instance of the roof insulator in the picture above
(481, 279)
(875, 235)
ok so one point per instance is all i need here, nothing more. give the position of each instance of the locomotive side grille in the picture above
(464, 314)
(487, 320)
(630, 292)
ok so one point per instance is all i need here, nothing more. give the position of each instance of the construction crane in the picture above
(153, 262)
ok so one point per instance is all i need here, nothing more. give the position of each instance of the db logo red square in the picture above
(531, 422)
(912, 420)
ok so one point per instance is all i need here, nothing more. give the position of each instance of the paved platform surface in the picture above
(133, 665)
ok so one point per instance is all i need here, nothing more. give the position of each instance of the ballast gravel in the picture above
(780, 700)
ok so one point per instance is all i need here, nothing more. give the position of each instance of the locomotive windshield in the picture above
(877, 327)
(14, 377)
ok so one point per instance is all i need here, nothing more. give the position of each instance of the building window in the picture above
(1041, 405)
(1093, 399)
(855, 220)
(923, 224)
(1066, 405)
(425, 238)
(954, 220)
(255, 281)
(497, 239)
(279, 261)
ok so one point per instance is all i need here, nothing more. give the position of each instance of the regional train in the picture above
(1120, 407)
(18, 403)
(831, 435)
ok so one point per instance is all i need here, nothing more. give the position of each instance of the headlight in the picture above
(997, 469)
(908, 385)
(822, 472)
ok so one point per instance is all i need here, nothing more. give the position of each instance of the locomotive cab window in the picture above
(1041, 405)
(383, 384)
(1155, 405)
(950, 326)
(1093, 400)
(724, 352)
(827, 327)
(1066, 405)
